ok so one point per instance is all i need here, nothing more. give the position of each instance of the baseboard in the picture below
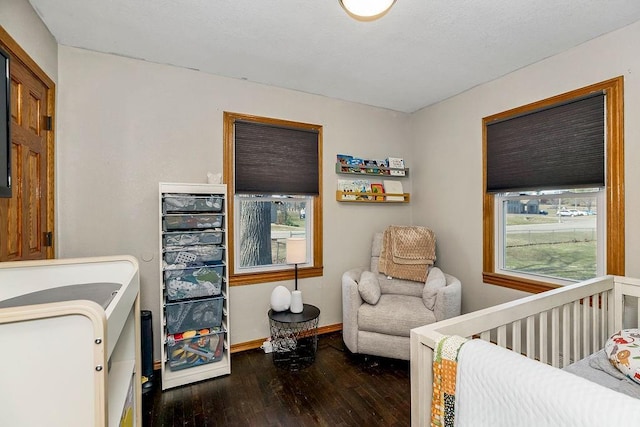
(252, 345)
(248, 345)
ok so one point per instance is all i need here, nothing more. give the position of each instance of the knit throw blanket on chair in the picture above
(407, 252)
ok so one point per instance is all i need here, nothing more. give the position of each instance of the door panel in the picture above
(14, 224)
(34, 230)
(28, 214)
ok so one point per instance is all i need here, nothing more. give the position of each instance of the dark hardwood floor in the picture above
(339, 389)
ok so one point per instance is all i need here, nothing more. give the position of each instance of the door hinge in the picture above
(48, 238)
(48, 123)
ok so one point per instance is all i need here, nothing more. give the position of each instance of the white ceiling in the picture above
(421, 52)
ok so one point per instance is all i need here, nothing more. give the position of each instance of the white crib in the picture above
(556, 327)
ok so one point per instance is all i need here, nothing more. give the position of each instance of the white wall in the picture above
(448, 143)
(23, 24)
(124, 125)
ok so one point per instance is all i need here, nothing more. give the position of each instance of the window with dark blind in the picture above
(273, 168)
(561, 146)
(272, 159)
(553, 190)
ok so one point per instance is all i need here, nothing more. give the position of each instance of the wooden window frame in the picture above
(614, 188)
(287, 271)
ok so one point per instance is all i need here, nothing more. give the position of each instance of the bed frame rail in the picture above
(556, 327)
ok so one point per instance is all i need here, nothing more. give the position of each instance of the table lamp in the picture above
(296, 254)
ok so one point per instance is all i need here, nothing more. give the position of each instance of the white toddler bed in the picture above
(552, 330)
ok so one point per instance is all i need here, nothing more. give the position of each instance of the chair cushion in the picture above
(389, 285)
(394, 315)
(369, 287)
(435, 282)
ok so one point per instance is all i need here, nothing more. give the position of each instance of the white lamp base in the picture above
(296, 302)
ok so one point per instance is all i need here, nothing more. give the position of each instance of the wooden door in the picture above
(26, 219)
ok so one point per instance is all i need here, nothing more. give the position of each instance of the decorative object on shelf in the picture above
(296, 302)
(366, 10)
(280, 299)
(296, 254)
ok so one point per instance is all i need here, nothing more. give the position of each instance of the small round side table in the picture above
(294, 337)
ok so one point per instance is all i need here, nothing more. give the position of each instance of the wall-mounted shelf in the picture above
(368, 197)
(384, 171)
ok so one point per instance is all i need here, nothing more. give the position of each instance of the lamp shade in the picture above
(366, 10)
(296, 250)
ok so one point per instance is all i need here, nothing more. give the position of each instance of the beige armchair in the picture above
(378, 312)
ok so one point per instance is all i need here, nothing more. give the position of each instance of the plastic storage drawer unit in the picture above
(194, 314)
(187, 203)
(193, 282)
(176, 222)
(182, 238)
(193, 348)
(193, 255)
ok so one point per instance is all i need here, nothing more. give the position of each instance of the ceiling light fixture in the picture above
(366, 10)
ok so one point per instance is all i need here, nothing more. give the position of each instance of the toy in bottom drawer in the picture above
(193, 348)
(193, 315)
(193, 282)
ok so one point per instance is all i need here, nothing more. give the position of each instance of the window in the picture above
(273, 172)
(554, 190)
(551, 235)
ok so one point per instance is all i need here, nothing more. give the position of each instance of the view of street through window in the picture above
(551, 239)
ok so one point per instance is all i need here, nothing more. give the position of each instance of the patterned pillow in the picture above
(623, 351)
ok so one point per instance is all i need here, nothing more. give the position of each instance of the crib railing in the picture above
(555, 327)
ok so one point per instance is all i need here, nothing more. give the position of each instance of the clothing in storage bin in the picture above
(193, 282)
(189, 203)
(176, 222)
(193, 348)
(195, 314)
(182, 238)
(192, 256)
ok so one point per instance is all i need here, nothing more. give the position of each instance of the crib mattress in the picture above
(597, 368)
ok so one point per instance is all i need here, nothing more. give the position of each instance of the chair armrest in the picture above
(351, 301)
(448, 300)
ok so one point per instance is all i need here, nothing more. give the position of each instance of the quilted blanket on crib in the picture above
(445, 359)
(498, 387)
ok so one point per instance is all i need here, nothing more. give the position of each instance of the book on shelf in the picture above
(378, 189)
(352, 189)
(350, 163)
(396, 164)
(393, 187)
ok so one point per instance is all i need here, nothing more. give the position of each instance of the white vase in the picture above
(296, 302)
(280, 299)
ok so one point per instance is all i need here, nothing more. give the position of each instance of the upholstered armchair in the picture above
(378, 311)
